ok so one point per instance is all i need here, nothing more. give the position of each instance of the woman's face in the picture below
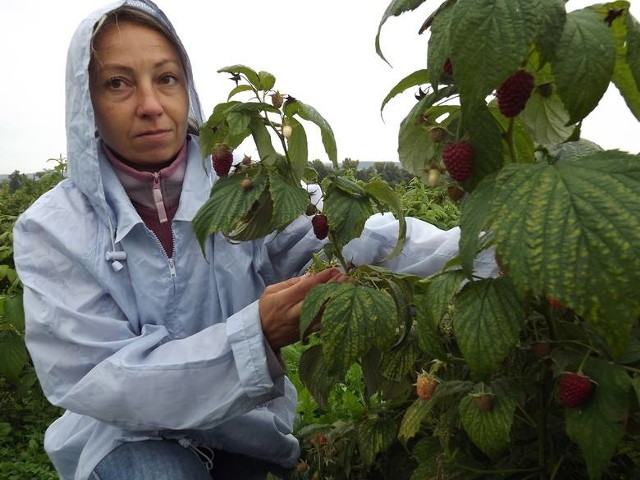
(139, 94)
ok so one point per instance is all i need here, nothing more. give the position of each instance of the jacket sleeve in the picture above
(91, 361)
(427, 248)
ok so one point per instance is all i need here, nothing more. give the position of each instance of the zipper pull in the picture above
(157, 198)
(172, 268)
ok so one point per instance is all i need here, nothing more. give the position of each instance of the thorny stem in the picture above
(498, 472)
(509, 140)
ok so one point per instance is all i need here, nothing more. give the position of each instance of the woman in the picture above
(158, 356)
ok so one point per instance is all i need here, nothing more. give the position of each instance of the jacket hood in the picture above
(82, 143)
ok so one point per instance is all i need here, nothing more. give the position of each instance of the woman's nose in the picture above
(149, 104)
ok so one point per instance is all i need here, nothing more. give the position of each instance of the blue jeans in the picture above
(168, 460)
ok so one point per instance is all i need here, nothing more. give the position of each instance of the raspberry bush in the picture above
(561, 215)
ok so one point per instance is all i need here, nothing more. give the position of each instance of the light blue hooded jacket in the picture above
(135, 345)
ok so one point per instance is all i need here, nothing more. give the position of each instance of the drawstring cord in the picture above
(204, 453)
(114, 256)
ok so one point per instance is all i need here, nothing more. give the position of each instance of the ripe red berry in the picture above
(573, 389)
(425, 386)
(320, 226)
(513, 94)
(222, 158)
(458, 160)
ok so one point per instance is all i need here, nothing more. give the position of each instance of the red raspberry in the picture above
(513, 94)
(458, 160)
(484, 402)
(425, 386)
(573, 389)
(320, 226)
(222, 158)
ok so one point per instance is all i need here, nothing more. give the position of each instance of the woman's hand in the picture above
(280, 305)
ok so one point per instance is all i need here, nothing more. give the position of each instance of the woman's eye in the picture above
(169, 79)
(115, 83)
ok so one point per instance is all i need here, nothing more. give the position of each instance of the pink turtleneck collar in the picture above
(155, 195)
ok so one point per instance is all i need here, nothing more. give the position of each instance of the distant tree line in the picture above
(390, 172)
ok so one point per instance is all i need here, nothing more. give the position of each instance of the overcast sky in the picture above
(320, 52)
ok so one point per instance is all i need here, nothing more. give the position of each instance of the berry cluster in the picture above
(458, 160)
(513, 94)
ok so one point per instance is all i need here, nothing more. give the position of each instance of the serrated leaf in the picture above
(546, 119)
(583, 62)
(347, 214)
(375, 436)
(488, 430)
(552, 14)
(412, 419)
(395, 8)
(14, 312)
(314, 374)
(397, 363)
(381, 192)
(489, 41)
(354, 319)
(487, 322)
(419, 77)
(238, 123)
(572, 230)
(289, 201)
(439, 46)
(307, 112)
(474, 219)
(13, 355)
(248, 72)
(227, 204)
(624, 77)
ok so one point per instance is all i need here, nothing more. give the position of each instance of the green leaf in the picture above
(416, 150)
(267, 80)
(355, 318)
(546, 119)
(8, 273)
(314, 374)
(489, 39)
(248, 72)
(488, 430)
(227, 204)
(439, 43)
(419, 77)
(572, 230)
(289, 201)
(13, 355)
(238, 123)
(239, 89)
(626, 34)
(14, 312)
(375, 435)
(310, 114)
(381, 192)
(583, 63)
(399, 362)
(474, 219)
(395, 8)
(597, 426)
(487, 322)
(297, 148)
(487, 142)
(346, 214)
(262, 139)
(552, 14)
(412, 419)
